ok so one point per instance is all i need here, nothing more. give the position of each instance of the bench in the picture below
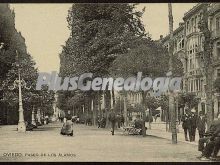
(131, 131)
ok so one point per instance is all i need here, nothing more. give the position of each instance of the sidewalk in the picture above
(159, 129)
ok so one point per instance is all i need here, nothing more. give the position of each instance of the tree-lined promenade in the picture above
(112, 74)
(109, 40)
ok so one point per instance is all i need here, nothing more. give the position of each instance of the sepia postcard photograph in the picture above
(109, 82)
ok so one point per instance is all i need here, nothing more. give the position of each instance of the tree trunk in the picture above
(150, 117)
(99, 104)
(107, 106)
(113, 97)
(125, 109)
(86, 109)
(144, 114)
(95, 109)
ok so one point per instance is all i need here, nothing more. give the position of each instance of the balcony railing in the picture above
(195, 72)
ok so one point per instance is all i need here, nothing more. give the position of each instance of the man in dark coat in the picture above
(201, 122)
(186, 123)
(122, 120)
(103, 122)
(212, 140)
(99, 121)
(118, 119)
(193, 125)
(112, 119)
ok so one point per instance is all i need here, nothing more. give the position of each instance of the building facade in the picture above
(189, 47)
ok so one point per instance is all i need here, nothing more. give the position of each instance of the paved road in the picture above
(88, 144)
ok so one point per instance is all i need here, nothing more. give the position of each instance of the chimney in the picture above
(161, 37)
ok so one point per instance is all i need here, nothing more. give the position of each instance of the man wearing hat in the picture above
(201, 122)
(192, 130)
(212, 140)
(186, 123)
(112, 119)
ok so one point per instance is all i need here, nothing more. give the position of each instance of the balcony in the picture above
(199, 94)
(195, 72)
(215, 33)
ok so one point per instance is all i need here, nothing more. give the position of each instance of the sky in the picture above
(45, 30)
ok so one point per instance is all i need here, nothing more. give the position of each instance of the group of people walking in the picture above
(209, 141)
(67, 128)
(191, 122)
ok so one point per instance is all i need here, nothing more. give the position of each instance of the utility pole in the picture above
(171, 96)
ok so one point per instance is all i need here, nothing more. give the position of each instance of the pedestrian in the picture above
(62, 116)
(46, 120)
(155, 117)
(77, 120)
(103, 122)
(201, 122)
(212, 141)
(186, 123)
(99, 121)
(112, 119)
(122, 120)
(138, 125)
(192, 129)
(118, 119)
(68, 125)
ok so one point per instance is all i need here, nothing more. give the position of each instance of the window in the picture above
(218, 107)
(197, 85)
(192, 25)
(190, 63)
(218, 73)
(203, 107)
(218, 23)
(218, 50)
(182, 43)
(187, 27)
(201, 85)
(195, 24)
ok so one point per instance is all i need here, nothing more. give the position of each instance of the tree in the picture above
(98, 34)
(13, 41)
(151, 103)
(188, 99)
(146, 56)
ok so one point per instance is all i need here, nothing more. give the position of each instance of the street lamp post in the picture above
(20, 83)
(21, 123)
(171, 97)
